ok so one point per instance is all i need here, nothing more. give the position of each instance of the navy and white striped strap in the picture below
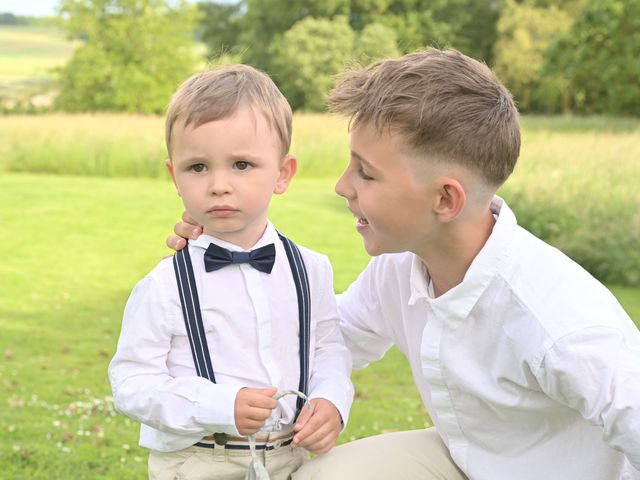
(301, 281)
(193, 317)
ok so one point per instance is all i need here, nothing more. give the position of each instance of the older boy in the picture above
(528, 366)
(197, 376)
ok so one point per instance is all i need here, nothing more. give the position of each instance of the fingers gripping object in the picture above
(257, 470)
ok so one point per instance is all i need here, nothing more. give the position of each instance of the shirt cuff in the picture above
(216, 408)
(342, 398)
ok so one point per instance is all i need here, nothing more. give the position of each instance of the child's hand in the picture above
(252, 407)
(318, 429)
(187, 228)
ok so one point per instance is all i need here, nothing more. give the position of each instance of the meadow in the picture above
(86, 207)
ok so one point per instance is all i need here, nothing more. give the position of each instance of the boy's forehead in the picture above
(249, 118)
(242, 129)
(367, 134)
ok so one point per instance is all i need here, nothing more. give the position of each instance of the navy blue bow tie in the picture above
(216, 257)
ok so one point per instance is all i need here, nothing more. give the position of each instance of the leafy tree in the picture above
(598, 58)
(364, 12)
(220, 26)
(468, 25)
(375, 42)
(266, 20)
(135, 54)
(572, 7)
(524, 33)
(308, 55)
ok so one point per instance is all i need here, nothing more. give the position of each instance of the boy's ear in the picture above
(169, 165)
(450, 200)
(288, 169)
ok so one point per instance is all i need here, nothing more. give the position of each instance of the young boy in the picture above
(529, 367)
(267, 308)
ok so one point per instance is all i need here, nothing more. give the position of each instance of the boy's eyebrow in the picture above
(193, 158)
(234, 157)
(362, 160)
(242, 156)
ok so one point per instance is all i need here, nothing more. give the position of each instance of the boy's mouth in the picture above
(361, 222)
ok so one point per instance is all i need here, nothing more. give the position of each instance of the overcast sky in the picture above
(34, 8)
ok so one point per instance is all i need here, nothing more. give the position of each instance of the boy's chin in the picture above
(372, 249)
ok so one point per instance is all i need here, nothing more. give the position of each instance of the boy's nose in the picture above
(343, 187)
(219, 185)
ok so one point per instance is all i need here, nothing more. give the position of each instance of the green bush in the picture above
(306, 58)
(598, 59)
(375, 42)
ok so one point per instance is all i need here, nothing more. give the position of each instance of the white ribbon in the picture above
(257, 470)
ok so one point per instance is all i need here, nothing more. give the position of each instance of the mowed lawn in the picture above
(74, 248)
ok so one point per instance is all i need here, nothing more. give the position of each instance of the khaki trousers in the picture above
(416, 454)
(198, 463)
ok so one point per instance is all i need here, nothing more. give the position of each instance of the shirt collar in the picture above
(459, 301)
(270, 235)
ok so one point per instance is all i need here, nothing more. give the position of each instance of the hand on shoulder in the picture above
(184, 230)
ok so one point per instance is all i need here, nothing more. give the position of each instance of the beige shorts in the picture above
(229, 461)
(412, 455)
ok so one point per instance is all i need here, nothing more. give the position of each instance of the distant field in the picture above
(31, 52)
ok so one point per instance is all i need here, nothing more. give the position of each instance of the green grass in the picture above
(74, 247)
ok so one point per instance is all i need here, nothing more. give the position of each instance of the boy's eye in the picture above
(198, 167)
(242, 165)
(363, 175)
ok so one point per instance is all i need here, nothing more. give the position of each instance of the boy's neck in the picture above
(244, 240)
(448, 260)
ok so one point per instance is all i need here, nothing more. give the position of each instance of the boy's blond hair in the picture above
(443, 104)
(216, 94)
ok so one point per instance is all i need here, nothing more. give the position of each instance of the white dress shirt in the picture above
(529, 368)
(251, 324)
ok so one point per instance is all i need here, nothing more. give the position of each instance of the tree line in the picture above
(556, 56)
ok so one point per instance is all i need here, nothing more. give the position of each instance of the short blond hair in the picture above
(443, 104)
(218, 93)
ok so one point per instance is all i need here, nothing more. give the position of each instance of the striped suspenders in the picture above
(193, 317)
